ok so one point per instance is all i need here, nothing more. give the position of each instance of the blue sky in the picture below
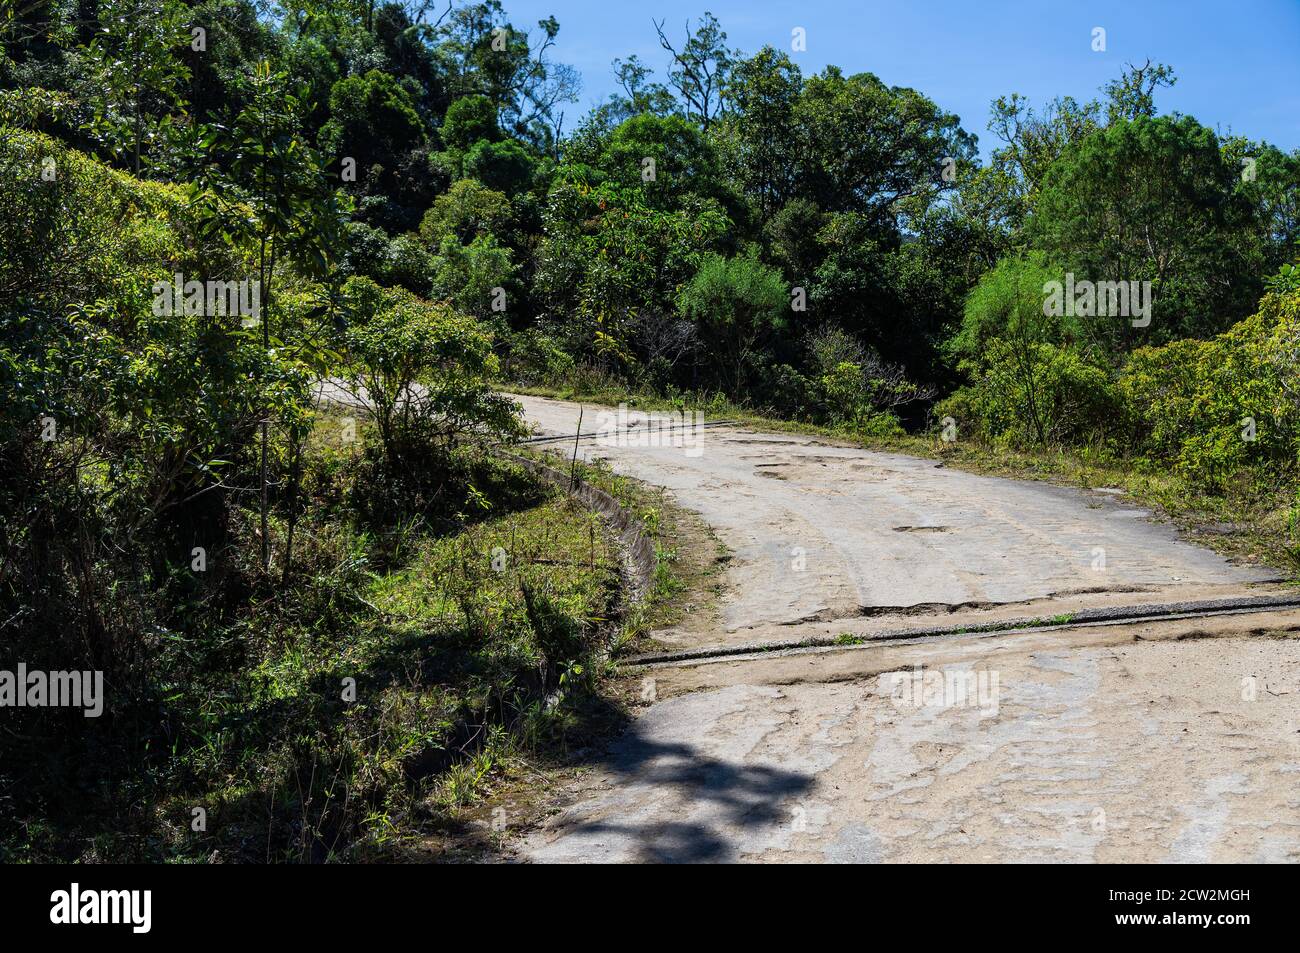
(1238, 61)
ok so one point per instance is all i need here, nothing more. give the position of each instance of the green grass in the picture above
(689, 557)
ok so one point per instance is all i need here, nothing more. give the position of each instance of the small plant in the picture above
(650, 520)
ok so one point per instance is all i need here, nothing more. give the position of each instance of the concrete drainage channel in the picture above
(1084, 618)
(639, 557)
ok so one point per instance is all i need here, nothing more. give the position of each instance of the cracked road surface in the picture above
(1127, 742)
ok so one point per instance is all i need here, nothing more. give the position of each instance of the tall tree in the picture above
(700, 68)
(1152, 200)
(868, 146)
(761, 137)
(274, 174)
(135, 75)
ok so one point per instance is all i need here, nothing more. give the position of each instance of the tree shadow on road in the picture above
(718, 808)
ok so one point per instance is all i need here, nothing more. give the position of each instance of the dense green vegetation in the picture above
(397, 197)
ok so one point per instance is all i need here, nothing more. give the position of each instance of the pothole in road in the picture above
(921, 529)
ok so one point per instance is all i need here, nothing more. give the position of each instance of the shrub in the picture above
(1215, 408)
(422, 368)
(785, 391)
(877, 424)
(1037, 394)
(736, 303)
(536, 357)
(1008, 304)
(468, 275)
(852, 383)
(390, 261)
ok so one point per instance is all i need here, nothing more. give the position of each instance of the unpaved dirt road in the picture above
(1156, 740)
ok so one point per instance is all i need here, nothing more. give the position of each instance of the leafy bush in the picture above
(225, 676)
(1007, 303)
(855, 385)
(390, 261)
(1214, 409)
(1037, 394)
(877, 425)
(736, 303)
(468, 276)
(421, 368)
(535, 357)
(785, 391)
(1030, 382)
(608, 254)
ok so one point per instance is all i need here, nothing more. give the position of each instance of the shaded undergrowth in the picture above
(349, 709)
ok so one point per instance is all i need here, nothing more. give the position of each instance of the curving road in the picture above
(1103, 743)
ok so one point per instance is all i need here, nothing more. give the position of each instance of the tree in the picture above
(1009, 301)
(1269, 179)
(274, 197)
(1012, 347)
(761, 138)
(735, 303)
(135, 76)
(700, 70)
(504, 167)
(469, 276)
(791, 237)
(468, 120)
(466, 210)
(681, 160)
(867, 146)
(422, 369)
(893, 294)
(1151, 200)
(640, 96)
(480, 52)
(608, 253)
(1032, 142)
(372, 120)
(1133, 94)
